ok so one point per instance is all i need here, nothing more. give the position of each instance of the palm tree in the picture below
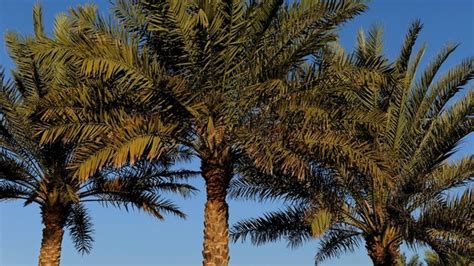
(193, 75)
(421, 128)
(40, 174)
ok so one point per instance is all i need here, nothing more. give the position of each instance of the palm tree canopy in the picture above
(422, 124)
(41, 174)
(197, 74)
(201, 78)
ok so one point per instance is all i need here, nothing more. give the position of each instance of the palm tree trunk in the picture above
(382, 255)
(216, 228)
(53, 232)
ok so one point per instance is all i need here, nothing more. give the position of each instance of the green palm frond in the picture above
(404, 57)
(17, 172)
(12, 191)
(446, 87)
(320, 220)
(449, 222)
(138, 186)
(418, 93)
(80, 228)
(444, 178)
(374, 43)
(38, 21)
(308, 25)
(337, 241)
(148, 202)
(263, 14)
(289, 224)
(444, 134)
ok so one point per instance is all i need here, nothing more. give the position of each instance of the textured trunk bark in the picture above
(382, 255)
(216, 228)
(53, 232)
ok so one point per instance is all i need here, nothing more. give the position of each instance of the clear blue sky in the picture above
(135, 238)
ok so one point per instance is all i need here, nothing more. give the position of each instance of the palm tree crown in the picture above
(191, 76)
(40, 173)
(419, 130)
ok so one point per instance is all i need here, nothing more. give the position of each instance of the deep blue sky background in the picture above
(135, 238)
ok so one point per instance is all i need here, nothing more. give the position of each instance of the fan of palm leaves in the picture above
(197, 77)
(42, 174)
(424, 120)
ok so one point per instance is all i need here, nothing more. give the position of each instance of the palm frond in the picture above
(403, 59)
(11, 191)
(335, 242)
(80, 228)
(444, 134)
(289, 224)
(422, 86)
(449, 223)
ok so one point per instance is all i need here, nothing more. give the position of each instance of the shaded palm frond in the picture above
(337, 241)
(80, 228)
(289, 224)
